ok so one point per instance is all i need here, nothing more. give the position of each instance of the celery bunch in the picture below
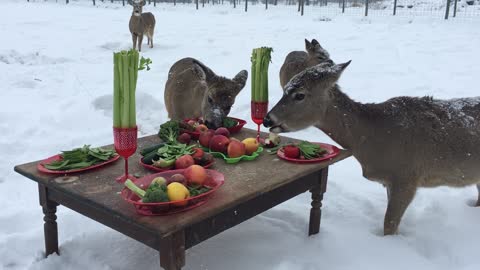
(260, 60)
(125, 73)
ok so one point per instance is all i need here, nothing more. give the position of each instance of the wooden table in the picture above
(251, 187)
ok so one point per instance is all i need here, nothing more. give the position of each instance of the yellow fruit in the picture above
(251, 145)
(177, 192)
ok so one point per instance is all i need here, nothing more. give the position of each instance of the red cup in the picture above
(125, 142)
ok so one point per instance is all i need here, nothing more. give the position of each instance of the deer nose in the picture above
(267, 121)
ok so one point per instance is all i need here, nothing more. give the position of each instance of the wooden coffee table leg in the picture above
(317, 197)
(50, 226)
(172, 251)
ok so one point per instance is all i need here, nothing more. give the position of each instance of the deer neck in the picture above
(342, 120)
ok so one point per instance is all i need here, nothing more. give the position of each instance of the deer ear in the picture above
(209, 74)
(240, 79)
(315, 42)
(308, 45)
(339, 68)
(144, 3)
(130, 2)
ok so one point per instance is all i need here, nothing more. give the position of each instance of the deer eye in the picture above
(210, 100)
(299, 96)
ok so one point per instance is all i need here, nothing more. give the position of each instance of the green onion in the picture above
(261, 58)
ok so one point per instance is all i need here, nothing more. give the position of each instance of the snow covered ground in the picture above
(55, 92)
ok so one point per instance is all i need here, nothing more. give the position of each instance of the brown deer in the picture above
(194, 90)
(298, 61)
(140, 24)
(403, 143)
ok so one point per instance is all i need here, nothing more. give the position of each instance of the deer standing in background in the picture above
(403, 143)
(140, 24)
(194, 90)
(298, 61)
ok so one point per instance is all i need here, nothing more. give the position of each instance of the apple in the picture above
(201, 128)
(251, 145)
(184, 162)
(195, 174)
(219, 143)
(198, 153)
(184, 138)
(222, 131)
(178, 178)
(236, 149)
(205, 137)
(291, 151)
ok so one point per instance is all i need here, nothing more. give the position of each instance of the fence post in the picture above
(174, 2)
(394, 7)
(246, 5)
(123, 2)
(266, 4)
(303, 5)
(275, 3)
(66, 2)
(366, 7)
(343, 6)
(196, 4)
(299, 5)
(447, 10)
(92, 0)
(154, 3)
(455, 9)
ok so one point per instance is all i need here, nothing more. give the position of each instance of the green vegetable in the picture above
(229, 122)
(310, 150)
(80, 158)
(169, 131)
(164, 163)
(197, 190)
(150, 149)
(154, 193)
(170, 152)
(125, 74)
(150, 157)
(261, 58)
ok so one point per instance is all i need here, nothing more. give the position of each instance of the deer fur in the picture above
(194, 90)
(403, 143)
(298, 61)
(140, 24)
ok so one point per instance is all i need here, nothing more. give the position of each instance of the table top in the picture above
(243, 181)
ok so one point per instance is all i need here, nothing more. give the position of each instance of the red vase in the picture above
(125, 142)
(259, 110)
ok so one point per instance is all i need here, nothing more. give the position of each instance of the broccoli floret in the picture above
(169, 131)
(155, 193)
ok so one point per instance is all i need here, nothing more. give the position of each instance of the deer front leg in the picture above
(478, 201)
(134, 40)
(400, 198)
(140, 39)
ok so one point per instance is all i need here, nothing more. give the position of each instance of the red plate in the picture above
(215, 180)
(332, 151)
(235, 129)
(157, 169)
(58, 157)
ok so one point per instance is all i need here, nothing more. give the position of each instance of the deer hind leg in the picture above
(478, 201)
(399, 199)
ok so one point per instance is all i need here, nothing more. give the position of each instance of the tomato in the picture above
(291, 151)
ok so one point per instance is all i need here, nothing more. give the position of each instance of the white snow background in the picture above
(56, 94)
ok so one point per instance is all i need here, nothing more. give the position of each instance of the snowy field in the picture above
(56, 94)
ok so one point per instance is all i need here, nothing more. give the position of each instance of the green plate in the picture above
(253, 156)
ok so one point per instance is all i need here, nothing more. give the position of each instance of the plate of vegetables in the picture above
(169, 156)
(78, 160)
(307, 152)
(171, 192)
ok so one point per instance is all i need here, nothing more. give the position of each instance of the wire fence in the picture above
(445, 9)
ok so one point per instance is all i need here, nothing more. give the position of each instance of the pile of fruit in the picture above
(220, 141)
(177, 188)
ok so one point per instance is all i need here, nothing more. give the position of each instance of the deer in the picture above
(193, 90)
(297, 61)
(403, 143)
(140, 24)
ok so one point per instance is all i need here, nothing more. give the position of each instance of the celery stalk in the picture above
(116, 92)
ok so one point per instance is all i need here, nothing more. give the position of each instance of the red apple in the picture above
(201, 128)
(291, 151)
(219, 143)
(222, 131)
(198, 153)
(236, 149)
(184, 162)
(195, 174)
(184, 138)
(205, 138)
